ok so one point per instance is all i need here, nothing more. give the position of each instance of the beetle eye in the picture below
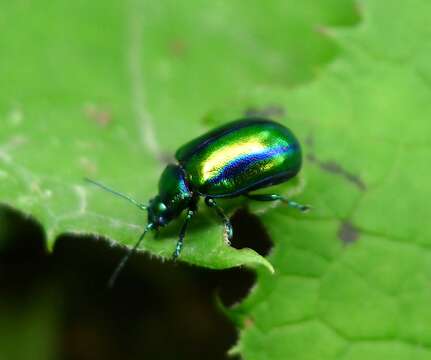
(161, 220)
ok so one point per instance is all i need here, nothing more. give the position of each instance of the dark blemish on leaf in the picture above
(336, 169)
(98, 114)
(166, 158)
(347, 233)
(268, 111)
(331, 166)
(248, 322)
(309, 140)
(248, 231)
(311, 158)
(177, 47)
(323, 30)
(88, 165)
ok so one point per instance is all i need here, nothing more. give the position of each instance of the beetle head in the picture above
(174, 196)
(159, 214)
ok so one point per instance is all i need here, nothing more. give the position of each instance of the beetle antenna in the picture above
(126, 258)
(124, 196)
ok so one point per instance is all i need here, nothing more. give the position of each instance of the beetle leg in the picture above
(275, 197)
(180, 241)
(227, 225)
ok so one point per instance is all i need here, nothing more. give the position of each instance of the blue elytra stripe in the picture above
(241, 163)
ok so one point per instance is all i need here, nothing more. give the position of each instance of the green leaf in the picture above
(107, 89)
(353, 278)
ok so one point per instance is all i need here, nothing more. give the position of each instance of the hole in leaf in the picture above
(234, 284)
(248, 231)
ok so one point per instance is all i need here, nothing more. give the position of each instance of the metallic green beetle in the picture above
(229, 161)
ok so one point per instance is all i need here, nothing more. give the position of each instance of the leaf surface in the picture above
(108, 90)
(353, 278)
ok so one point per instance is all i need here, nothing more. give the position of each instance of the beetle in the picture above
(229, 161)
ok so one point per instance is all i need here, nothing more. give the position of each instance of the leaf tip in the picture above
(267, 265)
(234, 350)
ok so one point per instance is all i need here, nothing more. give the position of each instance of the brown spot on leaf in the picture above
(88, 165)
(335, 168)
(348, 233)
(98, 114)
(275, 111)
(177, 47)
(166, 158)
(248, 322)
(309, 140)
(323, 30)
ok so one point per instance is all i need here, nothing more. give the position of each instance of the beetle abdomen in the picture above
(241, 156)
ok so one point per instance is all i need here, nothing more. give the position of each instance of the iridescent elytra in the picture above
(229, 161)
